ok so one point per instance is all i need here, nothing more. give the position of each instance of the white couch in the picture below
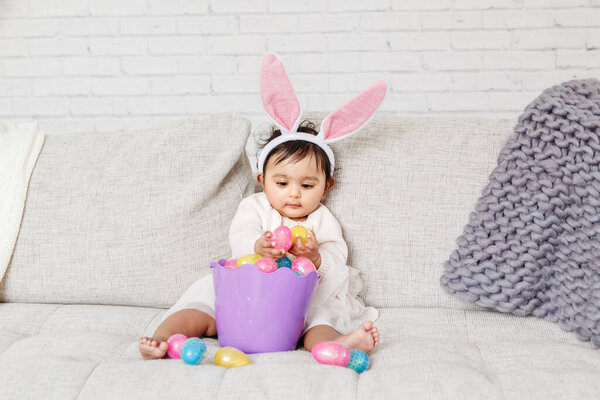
(116, 226)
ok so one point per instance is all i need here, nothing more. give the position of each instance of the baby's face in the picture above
(294, 188)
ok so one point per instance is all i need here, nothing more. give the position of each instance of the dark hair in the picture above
(298, 149)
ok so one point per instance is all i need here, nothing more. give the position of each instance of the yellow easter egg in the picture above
(230, 357)
(301, 232)
(248, 259)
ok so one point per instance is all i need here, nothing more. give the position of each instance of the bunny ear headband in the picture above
(283, 108)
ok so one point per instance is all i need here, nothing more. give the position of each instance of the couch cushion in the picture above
(129, 218)
(66, 351)
(404, 189)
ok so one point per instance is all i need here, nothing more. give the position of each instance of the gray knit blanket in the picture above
(532, 245)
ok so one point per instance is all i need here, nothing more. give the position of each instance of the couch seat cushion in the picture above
(89, 352)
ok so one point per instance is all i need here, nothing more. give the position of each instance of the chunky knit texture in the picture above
(532, 245)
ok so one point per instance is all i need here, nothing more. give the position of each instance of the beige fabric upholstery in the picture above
(50, 351)
(129, 218)
(404, 189)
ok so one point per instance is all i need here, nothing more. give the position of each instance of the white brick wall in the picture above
(98, 65)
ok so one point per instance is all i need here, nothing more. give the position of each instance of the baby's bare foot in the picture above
(152, 349)
(364, 338)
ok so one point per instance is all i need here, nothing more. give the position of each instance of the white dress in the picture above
(335, 302)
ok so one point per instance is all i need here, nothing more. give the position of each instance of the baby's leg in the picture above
(188, 322)
(364, 338)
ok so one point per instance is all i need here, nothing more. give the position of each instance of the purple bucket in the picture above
(260, 312)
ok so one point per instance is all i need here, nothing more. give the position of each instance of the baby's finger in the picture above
(312, 240)
(299, 245)
(276, 252)
(307, 245)
(264, 239)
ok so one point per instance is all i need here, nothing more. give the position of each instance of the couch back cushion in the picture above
(404, 191)
(129, 218)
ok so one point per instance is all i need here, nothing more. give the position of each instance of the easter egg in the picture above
(303, 265)
(231, 264)
(266, 264)
(284, 262)
(331, 353)
(297, 273)
(359, 361)
(174, 343)
(230, 357)
(248, 259)
(282, 237)
(193, 350)
(299, 231)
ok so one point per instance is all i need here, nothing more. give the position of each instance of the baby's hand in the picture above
(264, 247)
(310, 249)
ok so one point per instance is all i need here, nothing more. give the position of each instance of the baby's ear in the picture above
(328, 186)
(260, 179)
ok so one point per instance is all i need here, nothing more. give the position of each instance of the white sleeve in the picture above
(332, 246)
(245, 229)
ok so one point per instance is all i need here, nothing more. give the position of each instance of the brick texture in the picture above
(101, 65)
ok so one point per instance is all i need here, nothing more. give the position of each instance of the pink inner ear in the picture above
(351, 116)
(277, 94)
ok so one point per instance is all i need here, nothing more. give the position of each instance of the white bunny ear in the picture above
(353, 115)
(277, 95)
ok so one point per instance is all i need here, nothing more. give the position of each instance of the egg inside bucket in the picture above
(260, 312)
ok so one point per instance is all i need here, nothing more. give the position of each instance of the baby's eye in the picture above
(282, 184)
(307, 186)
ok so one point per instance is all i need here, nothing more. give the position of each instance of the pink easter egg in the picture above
(282, 236)
(303, 265)
(231, 264)
(331, 353)
(175, 342)
(266, 264)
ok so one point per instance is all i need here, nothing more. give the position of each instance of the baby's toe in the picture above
(151, 349)
(375, 334)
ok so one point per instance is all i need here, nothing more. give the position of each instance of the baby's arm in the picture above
(333, 252)
(245, 229)
(246, 235)
(332, 248)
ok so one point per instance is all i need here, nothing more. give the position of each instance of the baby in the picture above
(295, 172)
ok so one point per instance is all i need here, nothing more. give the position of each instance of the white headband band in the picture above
(282, 107)
(286, 137)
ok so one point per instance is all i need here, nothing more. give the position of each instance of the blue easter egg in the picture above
(359, 361)
(284, 262)
(297, 273)
(193, 350)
